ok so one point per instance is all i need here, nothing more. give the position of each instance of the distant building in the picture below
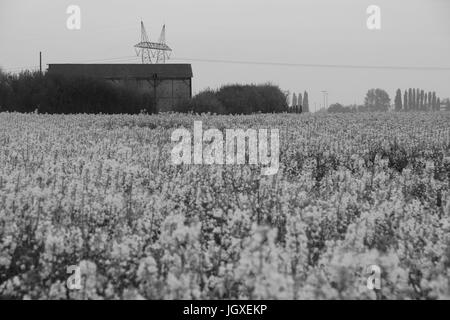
(168, 83)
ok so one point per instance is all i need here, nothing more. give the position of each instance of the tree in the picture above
(410, 99)
(422, 97)
(247, 99)
(338, 108)
(438, 104)
(300, 102)
(417, 99)
(377, 100)
(293, 103)
(205, 101)
(398, 100)
(57, 94)
(425, 101)
(405, 101)
(434, 101)
(305, 102)
(430, 101)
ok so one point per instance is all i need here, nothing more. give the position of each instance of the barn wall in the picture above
(168, 92)
(167, 83)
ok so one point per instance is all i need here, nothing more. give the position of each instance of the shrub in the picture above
(204, 102)
(28, 91)
(247, 99)
(237, 99)
(273, 99)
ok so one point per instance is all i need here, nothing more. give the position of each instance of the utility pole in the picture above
(40, 62)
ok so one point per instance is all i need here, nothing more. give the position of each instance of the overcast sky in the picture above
(413, 33)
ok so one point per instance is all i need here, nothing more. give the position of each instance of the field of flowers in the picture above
(100, 192)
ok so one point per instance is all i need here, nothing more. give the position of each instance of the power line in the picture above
(282, 64)
(311, 65)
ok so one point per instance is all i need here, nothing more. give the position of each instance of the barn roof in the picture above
(121, 71)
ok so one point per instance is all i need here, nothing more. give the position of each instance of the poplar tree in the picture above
(430, 101)
(425, 102)
(300, 102)
(434, 102)
(410, 99)
(417, 99)
(398, 100)
(305, 102)
(422, 96)
(405, 101)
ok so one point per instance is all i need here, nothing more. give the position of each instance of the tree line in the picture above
(417, 100)
(412, 100)
(45, 93)
(50, 93)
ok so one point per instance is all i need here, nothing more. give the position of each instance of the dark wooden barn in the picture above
(168, 83)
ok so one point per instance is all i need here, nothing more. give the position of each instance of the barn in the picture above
(167, 83)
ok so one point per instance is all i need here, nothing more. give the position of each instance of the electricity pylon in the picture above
(151, 52)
